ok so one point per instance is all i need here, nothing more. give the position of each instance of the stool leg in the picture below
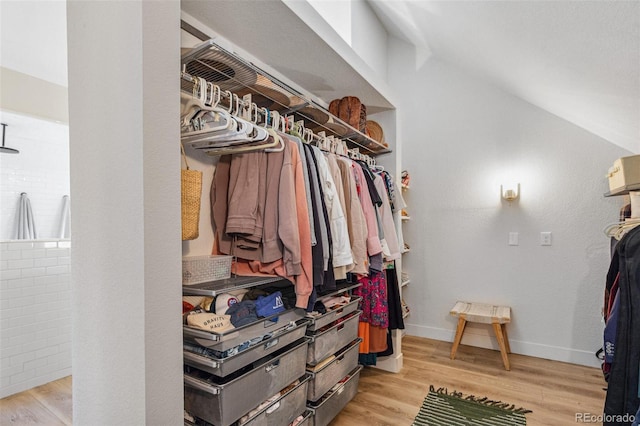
(497, 328)
(461, 323)
(506, 337)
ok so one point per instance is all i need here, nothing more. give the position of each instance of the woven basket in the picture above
(191, 194)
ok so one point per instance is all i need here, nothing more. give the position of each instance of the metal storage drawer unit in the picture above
(326, 410)
(332, 315)
(327, 342)
(285, 409)
(224, 403)
(328, 375)
(225, 366)
(307, 418)
(237, 336)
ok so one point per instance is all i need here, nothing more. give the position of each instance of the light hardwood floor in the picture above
(48, 405)
(555, 391)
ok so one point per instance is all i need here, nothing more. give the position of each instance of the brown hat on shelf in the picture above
(350, 110)
(374, 130)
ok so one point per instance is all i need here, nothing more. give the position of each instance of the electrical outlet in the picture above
(545, 238)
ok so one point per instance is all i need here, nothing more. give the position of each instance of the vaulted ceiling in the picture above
(579, 60)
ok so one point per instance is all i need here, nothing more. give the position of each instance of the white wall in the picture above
(461, 139)
(358, 25)
(369, 37)
(41, 169)
(337, 13)
(125, 177)
(35, 314)
(33, 38)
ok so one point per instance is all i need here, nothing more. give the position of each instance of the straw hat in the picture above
(333, 126)
(266, 94)
(317, 115)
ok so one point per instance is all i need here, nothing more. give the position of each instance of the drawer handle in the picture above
(270, 323)
(340, 327)
(197, 384)
(271, 343)
(202, 360)
(272, 366)
(273, 408)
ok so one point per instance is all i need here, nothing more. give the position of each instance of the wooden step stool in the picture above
(498, 316)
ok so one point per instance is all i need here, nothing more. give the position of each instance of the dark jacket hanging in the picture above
(623, 394)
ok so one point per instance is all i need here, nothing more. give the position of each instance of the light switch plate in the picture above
(513, 238)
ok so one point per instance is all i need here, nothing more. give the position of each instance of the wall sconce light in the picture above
(510, 193)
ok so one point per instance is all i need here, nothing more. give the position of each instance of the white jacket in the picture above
(338, 223)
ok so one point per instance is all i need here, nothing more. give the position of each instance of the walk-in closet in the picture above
(302, 214)
(318, 212)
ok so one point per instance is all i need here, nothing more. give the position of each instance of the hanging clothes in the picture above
(396, 322)
(356, 222)
(373, 240)
(321, 229)
(269, 207)
(307, 187)
(340, 271)
(329, 278)
(374, 305)
(623, 390)
(341, 245)
(374, 319)
(386, 218)
(274, 242)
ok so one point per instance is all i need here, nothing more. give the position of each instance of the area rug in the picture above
(444, 408)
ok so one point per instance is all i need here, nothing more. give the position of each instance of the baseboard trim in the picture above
(393, 363)
(35, 382)
(484, 340)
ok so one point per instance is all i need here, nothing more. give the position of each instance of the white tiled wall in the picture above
(35, 314)
(41, 169)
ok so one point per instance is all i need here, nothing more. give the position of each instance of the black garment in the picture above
(395, 309)
(396, 322)
(622, 390)
(317, 250)
(389, 350)
(329, 277)
(369, 177)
